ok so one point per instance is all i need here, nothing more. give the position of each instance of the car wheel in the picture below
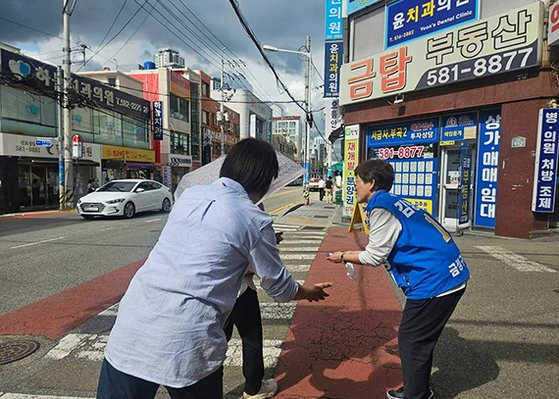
(166, 206)
(129, 210)
(88, 217)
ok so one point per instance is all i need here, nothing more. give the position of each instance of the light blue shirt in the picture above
(169, 327)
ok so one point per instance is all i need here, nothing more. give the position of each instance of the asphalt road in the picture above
(41, 256)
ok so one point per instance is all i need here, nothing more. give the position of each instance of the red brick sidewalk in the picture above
(340, 348)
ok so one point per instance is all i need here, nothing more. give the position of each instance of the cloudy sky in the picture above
(197, 28)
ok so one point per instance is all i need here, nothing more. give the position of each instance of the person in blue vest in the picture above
(424, 262)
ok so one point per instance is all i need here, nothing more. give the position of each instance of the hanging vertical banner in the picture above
(351, 158)
(465, 180)
(157, 120)
(333, 22)
(487, 168)
(333, 56)
(545, 171)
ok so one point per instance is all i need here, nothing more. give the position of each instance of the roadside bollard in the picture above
(306, 197)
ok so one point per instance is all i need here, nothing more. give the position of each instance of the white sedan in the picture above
(125, 198)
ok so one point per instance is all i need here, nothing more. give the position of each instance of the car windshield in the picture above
(118, 186)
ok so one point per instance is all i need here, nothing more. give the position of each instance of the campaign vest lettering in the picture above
(425, 261)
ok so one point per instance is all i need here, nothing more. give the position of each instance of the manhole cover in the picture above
(16, 350)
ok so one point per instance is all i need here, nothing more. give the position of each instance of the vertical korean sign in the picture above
(487, 168)
(157, 120)
(333, 22)
(333, 55)
(351, 157)
(465, 180)
(545, 171)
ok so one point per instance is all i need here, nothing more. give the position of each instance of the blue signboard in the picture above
(158, 120)
(453, 126)
(545, 173)
(43, 142)
(412, 132)
(416, 181)
(333, 22)
(465, 180)
(487, 168)
(356, 5)
(410, 19)
(333, 56)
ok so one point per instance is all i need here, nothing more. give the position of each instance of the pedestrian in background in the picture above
(321, 186)
(328, 188)
(169, 326)
(424, 262)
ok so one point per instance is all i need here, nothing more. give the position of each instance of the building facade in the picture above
(291, 127)
(105, 117)
(255, 116)
(451, 97)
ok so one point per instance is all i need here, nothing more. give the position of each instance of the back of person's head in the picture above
(378, 170)
(253, 164)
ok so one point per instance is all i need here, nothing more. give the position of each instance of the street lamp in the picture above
(308, 71)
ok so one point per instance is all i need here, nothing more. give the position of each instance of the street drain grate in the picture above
(16, 350)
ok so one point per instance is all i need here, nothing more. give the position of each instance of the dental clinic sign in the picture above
(502, 43)
(545, 171)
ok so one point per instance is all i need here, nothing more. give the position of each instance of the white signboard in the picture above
(553, 26)
(253, 126)
(25, 146)
(502, 43)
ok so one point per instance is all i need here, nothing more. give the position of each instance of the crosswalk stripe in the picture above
(299, 249)
(298, 268)
(68, 344)
(272, 350)
(258, 286)
(297, 256)
(515, 260)
(293, 242)
(277, 311)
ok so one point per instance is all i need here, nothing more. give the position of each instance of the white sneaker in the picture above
(267, 390)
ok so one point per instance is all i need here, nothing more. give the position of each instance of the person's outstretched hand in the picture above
(314, 293)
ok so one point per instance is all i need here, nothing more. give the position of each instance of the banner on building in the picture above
(420, 131)
(489, 143)
(332, 120)
(545, 171)
(407, 20)
(454, 127)
(553, 25)
(157, 120)
(29, 71)
(356, 5)
(502, 43)
(128, 154)
(333, 21)
(351, 159)
(465, 181)
(333, 57)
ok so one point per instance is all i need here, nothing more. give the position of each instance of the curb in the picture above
(291, 209)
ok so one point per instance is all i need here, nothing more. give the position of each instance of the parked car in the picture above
(313, 181)
(125, 197)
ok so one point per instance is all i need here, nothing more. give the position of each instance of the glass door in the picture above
(450, 184)
(38, 186)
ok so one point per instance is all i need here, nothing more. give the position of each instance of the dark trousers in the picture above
(421, 326)
(321, 193)
(114, 384)
(246, 317)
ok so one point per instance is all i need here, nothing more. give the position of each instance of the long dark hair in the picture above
(253, 164)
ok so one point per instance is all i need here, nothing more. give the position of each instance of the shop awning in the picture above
(338, 166)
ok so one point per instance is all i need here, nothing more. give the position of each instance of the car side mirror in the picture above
(140, 190)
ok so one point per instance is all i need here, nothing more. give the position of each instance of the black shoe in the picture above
(399, 394)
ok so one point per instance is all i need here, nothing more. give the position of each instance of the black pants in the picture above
(114, 384)
(246, 317)
(421, 326)
(321, 193)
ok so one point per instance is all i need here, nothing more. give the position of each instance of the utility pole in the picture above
(68, 165)
(308, 115)
(59, 111)
(221, 105)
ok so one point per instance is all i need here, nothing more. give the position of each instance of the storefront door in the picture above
(37, 185)
(456, 172)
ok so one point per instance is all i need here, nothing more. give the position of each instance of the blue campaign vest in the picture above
(425, 261)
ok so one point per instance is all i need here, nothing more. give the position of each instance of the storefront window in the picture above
(134, 133)
(82, 123)
(26, 107)
(179, 108)
(180, 143)
(108, 127)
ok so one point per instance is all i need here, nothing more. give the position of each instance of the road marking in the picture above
(271, 350)
(281, 208)
(37, 242)
(26, 396)
(297, 256)
(68, 344)
(106, 229)
(299, 249)
(315, 241)
(259, 287)
(514, 260)
(152, 220)
(112, 311)
(277, 311)
(298, 268)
